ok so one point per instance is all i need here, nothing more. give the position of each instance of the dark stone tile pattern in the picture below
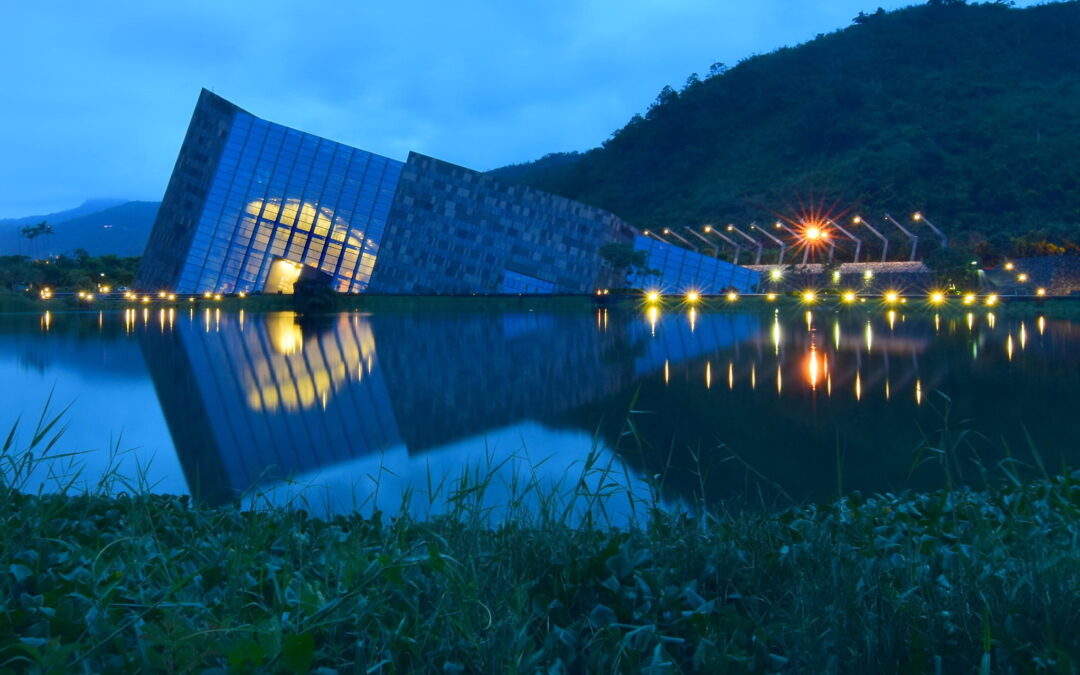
(453, 230)
(1058, 274)
(170, 239)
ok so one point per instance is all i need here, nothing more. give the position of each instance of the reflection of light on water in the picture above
(753, 376)
(708, 374)
(970, 320)
(1023, 335)
(217, 320)
(206, 315)
(869, 337)
(730, 375)
(937, 323)
(654, 314)
(693, 319)
(836, 334)
(285, 336)
(918, 392)
(667, 371)
(809, 319)
(46, 320)
(1042, 325)
(990, 319)
(858, 387)
(776, 335)
(779, 379)
(1009, 346)
(301, 373)
(892, 319)
(886, 389)
(241, 320)
(812, 368)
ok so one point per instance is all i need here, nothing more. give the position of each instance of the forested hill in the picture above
(970, 113)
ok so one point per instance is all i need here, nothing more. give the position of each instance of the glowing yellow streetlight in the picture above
(1040, 291)
(732, 296)
(693, 296)
(172, 297)
(892, 296)
(1021, 277)
(708, 228)
(770, 297)
(217, 296)
(776, 274)
(1009, 266)
(809, 296)
(868, 275)
(937, 297)
(244, 295)
(849, 297)
(653, 296)
(969, 298)
(207, 294)
(991, 300)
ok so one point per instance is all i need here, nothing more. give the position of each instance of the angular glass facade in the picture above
(278, 193)
(254, 206)
(681, 270)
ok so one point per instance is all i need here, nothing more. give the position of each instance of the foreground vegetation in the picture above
(951, 581)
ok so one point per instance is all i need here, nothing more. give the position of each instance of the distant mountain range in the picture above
(100, 226)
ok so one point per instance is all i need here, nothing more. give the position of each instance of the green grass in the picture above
(119, 580)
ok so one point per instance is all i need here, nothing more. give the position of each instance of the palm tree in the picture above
(32, 232)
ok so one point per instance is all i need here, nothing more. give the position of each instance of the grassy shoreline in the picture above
(954, 580)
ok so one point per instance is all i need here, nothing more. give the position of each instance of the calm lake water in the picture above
(357, 409)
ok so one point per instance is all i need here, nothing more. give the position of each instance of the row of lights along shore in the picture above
(811, 297)
(162, 296)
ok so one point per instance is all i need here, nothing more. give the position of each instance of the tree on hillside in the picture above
(32, 232)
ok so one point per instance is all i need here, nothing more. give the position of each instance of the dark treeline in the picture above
(67, 273)
(965, 112)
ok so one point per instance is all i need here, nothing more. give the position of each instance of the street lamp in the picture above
(668, 232)
(755, 242)
(709, 229)
(914, 237)
(918, 217)
(770, 235)
(859, 220)
(858, 242)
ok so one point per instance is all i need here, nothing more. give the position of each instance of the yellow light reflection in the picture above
(886, 389)
(693, 319)
(892, 319)
(809, 320)
(918, 392)
(776, 335)
(654, 314)
(753, 376)
(858, 387)
(667, 371)
(779, 379)
(869, 337)
(730, 375)
(970, 321)
(812, 368)
(708, 374)
(937, 323)
(836, 334)
(285, 336)
(1041, 323)
(991, 319)
(1023, 336)
(1009, 346)
(46, 321)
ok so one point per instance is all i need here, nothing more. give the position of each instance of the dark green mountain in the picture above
(970, 113)
(119, 230)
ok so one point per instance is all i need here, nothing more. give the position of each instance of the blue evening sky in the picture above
(96, 96)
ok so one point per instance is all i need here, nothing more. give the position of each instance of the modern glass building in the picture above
(251, 205)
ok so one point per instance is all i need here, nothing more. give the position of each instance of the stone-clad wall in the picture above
(1058, 274)
(454, 230)
(170, 239)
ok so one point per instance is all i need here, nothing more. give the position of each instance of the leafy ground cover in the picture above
(951, 581)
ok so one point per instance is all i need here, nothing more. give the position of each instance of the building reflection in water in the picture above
(256, 400)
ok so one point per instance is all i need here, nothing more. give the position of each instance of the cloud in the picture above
(97, 96)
